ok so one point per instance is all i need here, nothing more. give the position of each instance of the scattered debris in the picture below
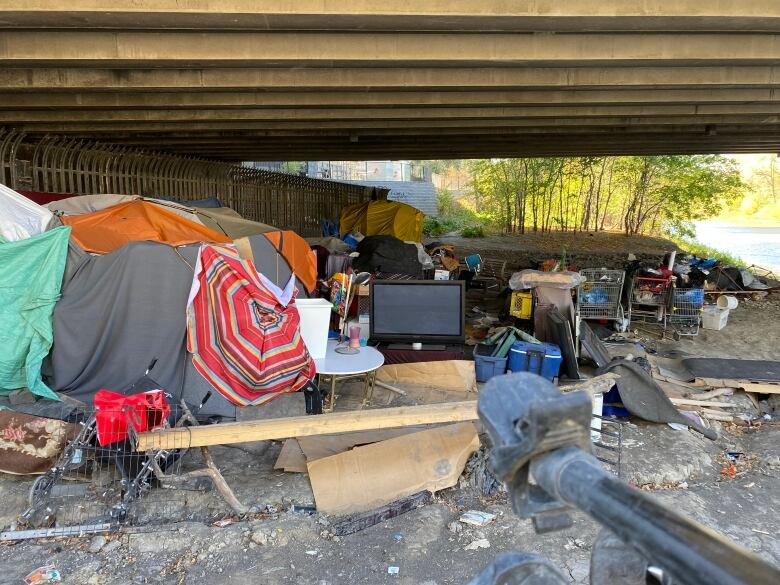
(224, 522)
(477, 544)
(455, 527)
(479, 475)
(477, 518)
(45, 574)
(729, 470)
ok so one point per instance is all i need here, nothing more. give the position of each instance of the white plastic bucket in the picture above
(727, 302)
(315, 319)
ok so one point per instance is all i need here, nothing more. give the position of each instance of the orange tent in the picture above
(111, 228)
(298, 254)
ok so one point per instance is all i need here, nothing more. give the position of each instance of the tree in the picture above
(635, 194)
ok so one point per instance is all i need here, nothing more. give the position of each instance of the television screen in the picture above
(417, 310)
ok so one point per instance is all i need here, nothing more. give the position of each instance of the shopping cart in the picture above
(686, 310)
(649, 299)
(599, 297)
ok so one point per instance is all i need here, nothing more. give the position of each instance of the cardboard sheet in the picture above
(314, 448)
(449, 374)
(296, 453)
(374, 475)
(291, 457)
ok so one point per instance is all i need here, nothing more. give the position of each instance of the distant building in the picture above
(408, 183)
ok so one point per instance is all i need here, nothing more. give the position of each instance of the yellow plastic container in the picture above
(522, 305)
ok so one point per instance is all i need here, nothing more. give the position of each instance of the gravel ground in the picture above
(428, 545)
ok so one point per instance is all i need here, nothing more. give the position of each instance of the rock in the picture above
(260, 537)
(97, 544)
(580, 571)
(675, 456)
(477, 518)
(454, 527)
(156, 542)
(481, 543)
(773, 461)
(111, 546)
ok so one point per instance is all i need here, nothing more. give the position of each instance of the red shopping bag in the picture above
(114, 411)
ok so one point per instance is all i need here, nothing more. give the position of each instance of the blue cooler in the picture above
(538, 358)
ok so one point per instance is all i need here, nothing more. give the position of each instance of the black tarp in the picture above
(387, 254)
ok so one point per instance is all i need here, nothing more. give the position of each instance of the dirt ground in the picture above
(582, 248)
(428, 545)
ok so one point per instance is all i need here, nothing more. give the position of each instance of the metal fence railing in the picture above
(81, 167)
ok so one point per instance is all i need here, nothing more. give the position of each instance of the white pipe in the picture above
(672, 256)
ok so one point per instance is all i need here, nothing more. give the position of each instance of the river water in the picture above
(754, 245)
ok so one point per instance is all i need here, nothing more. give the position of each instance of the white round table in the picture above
(340, 366)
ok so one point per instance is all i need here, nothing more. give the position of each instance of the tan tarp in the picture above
(82, 204)
(229, 222)
(383, 218)
(374, 475)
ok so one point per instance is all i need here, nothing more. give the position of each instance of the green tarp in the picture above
(30, 279)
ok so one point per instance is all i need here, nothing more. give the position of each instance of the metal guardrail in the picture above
(61, 164)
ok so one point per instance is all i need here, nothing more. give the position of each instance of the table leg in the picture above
(331, 395)
(369, 391)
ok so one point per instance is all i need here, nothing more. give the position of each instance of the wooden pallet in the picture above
(746, 385)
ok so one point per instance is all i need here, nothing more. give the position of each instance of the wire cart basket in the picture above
(649, 299)
(599, 296)
(686, 309)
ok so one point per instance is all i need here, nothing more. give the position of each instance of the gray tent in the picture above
(120, 311)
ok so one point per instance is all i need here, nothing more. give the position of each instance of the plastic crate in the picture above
(714, 318)
(487, 366)
(522, 304)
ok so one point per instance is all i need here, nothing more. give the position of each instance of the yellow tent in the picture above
(383, 218)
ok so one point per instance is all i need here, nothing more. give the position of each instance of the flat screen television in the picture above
(424, 311)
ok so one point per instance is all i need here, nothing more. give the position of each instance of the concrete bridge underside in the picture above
(364, 79)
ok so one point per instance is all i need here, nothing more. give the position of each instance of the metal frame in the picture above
(686, 308)
(80, 167)
(650, 303)
(609, 281)
(369, 380)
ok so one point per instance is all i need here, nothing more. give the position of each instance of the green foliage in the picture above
(473, 231)
(633, 194)
(433, 226)
(691, 246)
(446, 203)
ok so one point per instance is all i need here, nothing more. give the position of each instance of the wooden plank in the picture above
(688, 402)
(746, 385)
(357, 522)
(599, 384)
(760, 388)
(306, 426)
